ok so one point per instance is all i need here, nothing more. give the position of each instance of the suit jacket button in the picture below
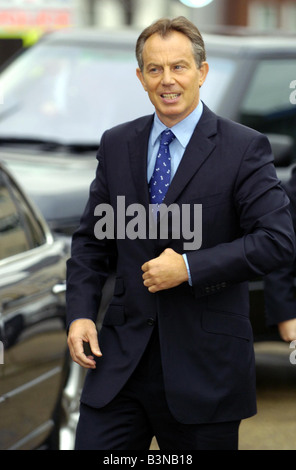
(150, 321)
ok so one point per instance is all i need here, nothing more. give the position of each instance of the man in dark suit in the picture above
(175, 355)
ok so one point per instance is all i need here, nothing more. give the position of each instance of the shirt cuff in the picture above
(188, 270)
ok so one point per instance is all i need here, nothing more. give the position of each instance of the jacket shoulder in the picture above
(126, 128)
(229, 127)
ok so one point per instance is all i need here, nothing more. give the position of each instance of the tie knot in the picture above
(167, 137)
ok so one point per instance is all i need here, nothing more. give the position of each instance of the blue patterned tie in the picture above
(161, 177)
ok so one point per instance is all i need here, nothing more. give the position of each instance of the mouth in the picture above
(170, 96)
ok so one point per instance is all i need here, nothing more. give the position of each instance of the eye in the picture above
(153, 70)
(178, 67)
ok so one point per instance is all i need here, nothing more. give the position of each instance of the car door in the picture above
(32, 321)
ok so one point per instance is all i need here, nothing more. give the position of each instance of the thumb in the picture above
(92, 344)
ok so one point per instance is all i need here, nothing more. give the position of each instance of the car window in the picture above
(267, 106)
(19, 231)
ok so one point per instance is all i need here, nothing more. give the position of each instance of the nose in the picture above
(167, 77)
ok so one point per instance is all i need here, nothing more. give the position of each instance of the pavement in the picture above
(274, 426)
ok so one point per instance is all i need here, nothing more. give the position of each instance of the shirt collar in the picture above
(183, 130)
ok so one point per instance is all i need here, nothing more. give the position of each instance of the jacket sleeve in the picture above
(267, 240)
(91, 258)
(280, 301)
(279, 289)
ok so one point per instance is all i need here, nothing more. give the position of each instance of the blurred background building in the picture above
(259, 14)
(22, 22)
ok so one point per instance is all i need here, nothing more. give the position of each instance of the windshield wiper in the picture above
(81, 147)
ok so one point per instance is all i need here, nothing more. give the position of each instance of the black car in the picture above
(252, 81)
(34, 363)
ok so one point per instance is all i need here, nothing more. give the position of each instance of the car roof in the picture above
(224, 40)
(251, 44)
(122, 37)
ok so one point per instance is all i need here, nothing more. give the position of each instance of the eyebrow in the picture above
(175, 62)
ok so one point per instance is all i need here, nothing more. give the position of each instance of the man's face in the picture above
(171, 77)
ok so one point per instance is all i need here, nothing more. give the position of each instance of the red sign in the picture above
(44, 19)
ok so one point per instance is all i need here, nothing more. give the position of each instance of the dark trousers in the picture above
(140, 411)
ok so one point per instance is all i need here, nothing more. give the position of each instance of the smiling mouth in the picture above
(170, 96)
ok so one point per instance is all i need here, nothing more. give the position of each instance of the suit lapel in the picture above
(198, 150)
(138, 147)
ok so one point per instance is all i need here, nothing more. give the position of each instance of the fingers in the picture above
(153, 281)
(83, 331)
(164, 272)
(152, 277)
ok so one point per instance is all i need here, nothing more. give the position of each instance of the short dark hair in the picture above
(166, 26)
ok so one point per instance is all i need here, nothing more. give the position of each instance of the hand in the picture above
(166, 271)
(83, 330)
(287, 330)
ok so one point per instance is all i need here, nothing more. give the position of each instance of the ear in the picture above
(203, 72)
(141, 78)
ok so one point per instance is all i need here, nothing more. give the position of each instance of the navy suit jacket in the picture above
(204, 329)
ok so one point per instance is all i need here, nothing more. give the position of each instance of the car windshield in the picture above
(69, 93)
